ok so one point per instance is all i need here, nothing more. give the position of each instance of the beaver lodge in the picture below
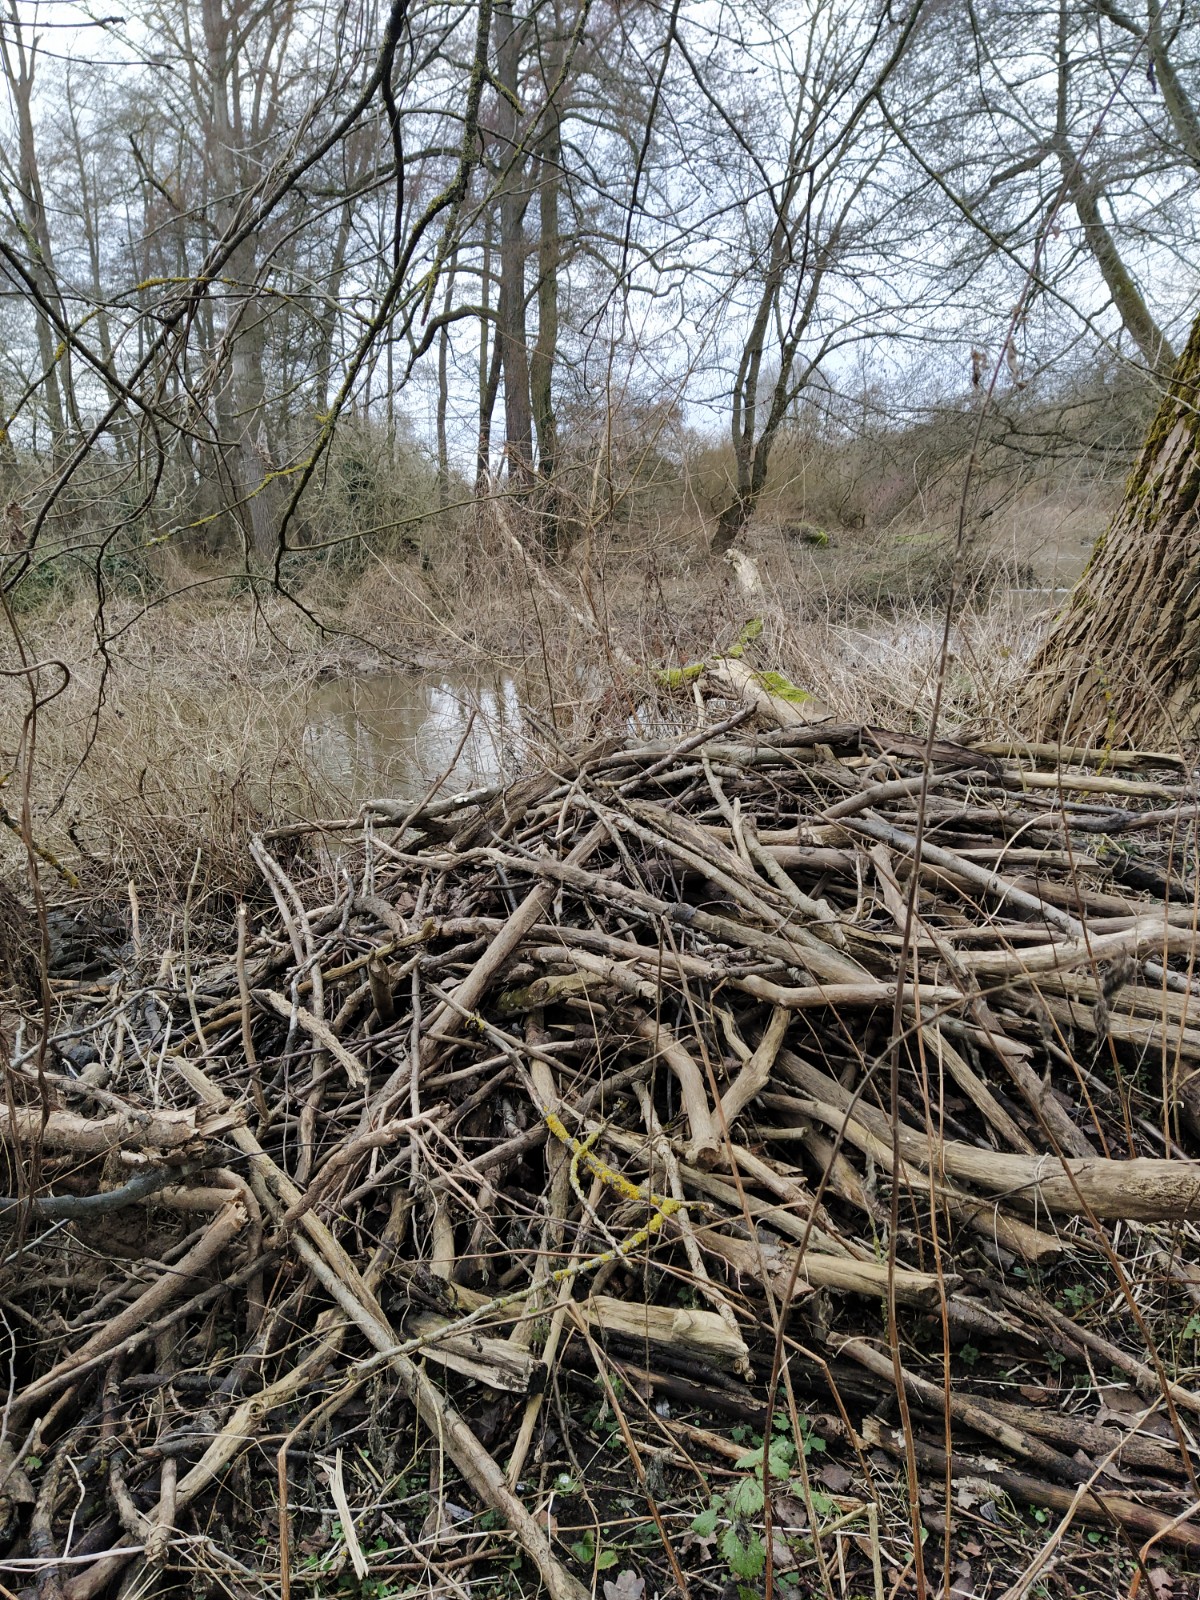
(755, 1162)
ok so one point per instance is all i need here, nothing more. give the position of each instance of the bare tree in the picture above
(18, 56)
(815, 201)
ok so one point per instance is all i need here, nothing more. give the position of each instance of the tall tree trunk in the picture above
(18, 62)
(8, 454)
(443, 394)
(89, 213)
(1121, 665)
(518, 416)
(256, 487)
(545, 351)
(327, 317)
(489, 367)
(242, 410)
(1085, 195)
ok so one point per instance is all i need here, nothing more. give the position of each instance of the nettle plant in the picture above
(735, 1515)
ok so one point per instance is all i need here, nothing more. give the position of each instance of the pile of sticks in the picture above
(747, 1076)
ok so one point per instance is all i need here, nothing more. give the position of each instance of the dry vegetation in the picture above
(560, 1038)
(187, 730)
(522, 1174)
(189, 734)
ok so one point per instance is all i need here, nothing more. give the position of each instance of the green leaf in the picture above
(607, 1558)
(744, 1560)
(584, 1549)
(779, 1454)
(746, 1500)
(33, 1462)
(706, 1523)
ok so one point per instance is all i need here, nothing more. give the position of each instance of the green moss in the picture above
(807, 533)
(675, 678)
(782, 688)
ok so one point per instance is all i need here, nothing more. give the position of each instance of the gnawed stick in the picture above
(757, 1068)
(317, 1030)
(662, 1151)
(239, 1431)
(131, 1129)
(1148, 935)
(704, 1145)
(843, 1273)
(1142, 1189)
(991, 883)
(217, 1237)
(447, 1019)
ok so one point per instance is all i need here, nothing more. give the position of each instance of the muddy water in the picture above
(394, 733)
(391, 734)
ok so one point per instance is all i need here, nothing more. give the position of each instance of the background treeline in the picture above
(280, 280)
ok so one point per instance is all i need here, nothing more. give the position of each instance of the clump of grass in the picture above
(167, 750)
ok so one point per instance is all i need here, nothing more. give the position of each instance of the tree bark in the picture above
(1121, 664)
(1085, 195)
(443, 393)
(231, 153)
(518, 415)
(489, 368)
(545, 351)
(18, 62)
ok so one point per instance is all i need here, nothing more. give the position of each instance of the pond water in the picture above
(394, 733)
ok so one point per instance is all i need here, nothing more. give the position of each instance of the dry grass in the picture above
(182, 737)
(187, 732)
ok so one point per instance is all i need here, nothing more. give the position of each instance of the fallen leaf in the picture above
(781, 1553)
(789, 1511)
(625, 1586)
(963, 1587)
(835, 1477)
(971, 1492)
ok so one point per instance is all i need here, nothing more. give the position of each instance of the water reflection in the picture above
(393, 733)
